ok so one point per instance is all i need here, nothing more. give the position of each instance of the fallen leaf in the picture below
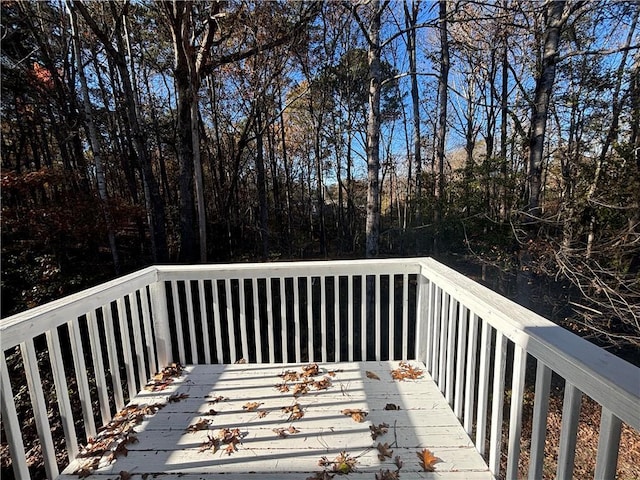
(300, 389)
(321, 476)
(289, 376)
(176, 397)
(124, 475)
(240, 361)
(217, 399)
(212, 444)
(201, 424)
(378, 430)
(251, 406)
(387, 475)
(406, 371)
(282, 387)
(285, 432)
(384, 451)
(295, 411)
(356, 414)
(391, 406)
(211, 412)
(398, 462)
(427, 460)
(372, 375)
(310, 370)
(323, 384)
(263, 413)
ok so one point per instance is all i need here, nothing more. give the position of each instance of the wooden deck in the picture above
(166, 449)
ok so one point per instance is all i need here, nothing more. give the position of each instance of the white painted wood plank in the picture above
(497, 401)
(284, 315)
(277, 307)
(36, 395)
(178, 321)
(270, 325)
(125, 342)
(451, 350)
(539, 422)
(460, 360)
(337, 333)
(80, 372)
(377, 316)
(483, 388)
(392, 317)
(350, 306)
(323, 320)
(470, 375)
(405, 318)
(11, 424)
(257, 332)
(429, 318)
(217, 321)
(570, 417)
(191, 321)
(442, 341)
(608, 445)
(364, 315)
(161, 331)
(296, 318)
(515, 414)
(310, 319)
(230, 321)
(204, 322)
(137, 340)
(148, 332)
(98, 367)
(62, 392)
(114, 368)
(437, 321)
(242, 315)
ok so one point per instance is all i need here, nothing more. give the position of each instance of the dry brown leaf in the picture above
(391, 406)
(240, 361)
(378, 430)
(384, 451)
(212, 444)
(202, 424)
(372, 375)
(289, 376)
(251, 406)
(300, 389)
(398, 462)
(310, 370)
(323, 384)
(213, 400)
(211, 413)
(406, 371)
(321, 476)
(263, 413)
(295, 411)
(285, 432)
(387, 475)
(124, 475)
(356, 414)
(282, 387)
(427, 460)
(176, 397)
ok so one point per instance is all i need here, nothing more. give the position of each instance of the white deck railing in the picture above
(101, 346)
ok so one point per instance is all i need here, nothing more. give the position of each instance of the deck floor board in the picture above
(166, 450)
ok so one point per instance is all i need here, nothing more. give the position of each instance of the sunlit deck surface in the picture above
(166, 449)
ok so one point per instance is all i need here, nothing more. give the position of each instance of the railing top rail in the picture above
(38, 320)
(608, 379)
(289, 269)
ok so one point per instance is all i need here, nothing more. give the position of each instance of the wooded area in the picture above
(154, 132)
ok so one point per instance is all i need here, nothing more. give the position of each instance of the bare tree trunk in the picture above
(441, 130)
(555, 19)
(411, 19)
(262, 186)
(94, 142)
(373, 135)
(153, 199)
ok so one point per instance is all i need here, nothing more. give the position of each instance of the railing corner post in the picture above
(160, 314)
(422, 316)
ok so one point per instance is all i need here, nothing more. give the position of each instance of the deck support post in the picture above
(608, 445)
(422, 313)
(161, 323)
